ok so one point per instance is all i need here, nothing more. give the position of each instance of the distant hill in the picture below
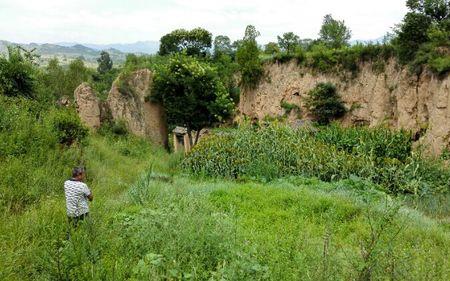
(145, 47)
(66, 54)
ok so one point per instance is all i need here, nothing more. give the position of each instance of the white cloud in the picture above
(128, 21)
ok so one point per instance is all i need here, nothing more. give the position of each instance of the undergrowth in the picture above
(382, 156)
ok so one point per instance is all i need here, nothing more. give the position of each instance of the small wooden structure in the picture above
(181, 140)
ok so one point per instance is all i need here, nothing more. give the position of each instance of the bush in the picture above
(31, 163)
(250, 66)
(16, 75)
(68, 127)
(324, 103)
(277, 151)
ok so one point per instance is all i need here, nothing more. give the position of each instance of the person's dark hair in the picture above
(77, 171)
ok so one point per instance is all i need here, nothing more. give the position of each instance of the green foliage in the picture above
(222, 46)
(288, 107)
(379, 142)
(68, 127)
(423, 37)
(330, 154)
(101, 82)
(31, 163)
(324, 103)
(116, 128)
(271, 48)
(17, 74)
(411, 35)
(191, 93)
(334, 33)
(288, 42)
(195, 42)
(247, 57)
(105, 63)
(147, 223)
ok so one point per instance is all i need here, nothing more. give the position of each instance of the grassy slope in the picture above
(182, 227)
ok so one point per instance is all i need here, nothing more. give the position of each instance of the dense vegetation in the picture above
(259, 201)
(327, 153)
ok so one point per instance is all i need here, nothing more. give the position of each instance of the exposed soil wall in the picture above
(393, 97)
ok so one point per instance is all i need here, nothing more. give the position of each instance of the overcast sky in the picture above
(113, 21)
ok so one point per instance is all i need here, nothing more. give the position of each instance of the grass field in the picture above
(151, 222)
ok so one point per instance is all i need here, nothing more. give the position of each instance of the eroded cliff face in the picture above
(393, 97)
(143, 118)
(127, 103)
(88, 106)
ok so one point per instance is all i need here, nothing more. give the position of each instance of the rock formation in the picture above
(127, 102)
(393, 97)
(88, 106)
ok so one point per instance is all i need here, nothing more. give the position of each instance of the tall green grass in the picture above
(330, 153)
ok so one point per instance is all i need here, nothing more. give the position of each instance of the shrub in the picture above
(68, 127)
(250, 66)
(288, 107)
(16, 75)
(119, 128)
(324, 103)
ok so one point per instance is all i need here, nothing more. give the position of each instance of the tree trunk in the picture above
(197, 135)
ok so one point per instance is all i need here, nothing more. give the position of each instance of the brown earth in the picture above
(393, 97)
(126, 101)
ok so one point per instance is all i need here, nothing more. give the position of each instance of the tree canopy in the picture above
(17, 75)
(334, 33)
(195, 42)
(288, 42)
(105, 63)
(247, 57)
(191, 93)
(222, 46)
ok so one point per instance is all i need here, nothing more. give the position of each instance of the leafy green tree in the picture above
(324, 103)
(251, 33)
(195, 42)
(436, 10)
(334, 33)
(75, 75)
(247, 57)
(271, 48)
(54, 78)
(192, 94)
(222, 45)
(411, 35)
(17, 74)
(426, 21)
(288, 42)
(105, 63)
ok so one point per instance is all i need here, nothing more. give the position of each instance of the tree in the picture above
(334, 33)
(247, 57)
(105, 63)
(288, 42)
(222, 46)
(17, 74)
(76, 74)
(425, 20)
(324, 103)
(195, 42)
(436, 10)
(271, 48)
(192, 94)
(251, 33)
(54, 78)
(411, 35)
